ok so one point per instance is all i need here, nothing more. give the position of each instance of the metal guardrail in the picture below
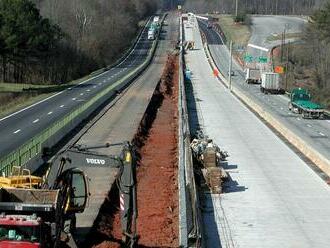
(189, 217)
(33, 148)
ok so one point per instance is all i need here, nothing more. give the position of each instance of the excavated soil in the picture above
(157, 192)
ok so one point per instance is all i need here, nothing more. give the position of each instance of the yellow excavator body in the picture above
(20, 178)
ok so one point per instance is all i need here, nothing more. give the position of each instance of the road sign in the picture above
(279, 69)
(248, 58)
(262, 60)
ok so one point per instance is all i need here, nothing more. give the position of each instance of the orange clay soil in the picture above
(157, 191)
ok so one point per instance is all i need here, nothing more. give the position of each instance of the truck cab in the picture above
(45, 218)
(22, 231)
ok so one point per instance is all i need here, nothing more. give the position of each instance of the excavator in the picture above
(40, 212)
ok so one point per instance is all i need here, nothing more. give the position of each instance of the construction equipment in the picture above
(20, 178)
(300, 103)
(33, 215)
(86, 156)
(37, 212)
(208, 157)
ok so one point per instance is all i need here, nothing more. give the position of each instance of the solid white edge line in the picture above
(87, 80)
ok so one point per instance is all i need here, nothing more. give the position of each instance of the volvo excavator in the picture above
(40, 212)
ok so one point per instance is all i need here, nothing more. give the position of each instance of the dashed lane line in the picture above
(49, 113)
(35, 121)
(17, 131)
(322, 134)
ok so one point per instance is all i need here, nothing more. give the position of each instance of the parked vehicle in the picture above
(252, 76)
(156, 19)
(151, 34)
(270, 83)
(300, 102)
(38, 216)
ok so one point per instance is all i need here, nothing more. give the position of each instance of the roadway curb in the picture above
(318, 159)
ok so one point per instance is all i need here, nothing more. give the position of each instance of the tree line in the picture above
(54, 41)
(310, 61)
(268, 7)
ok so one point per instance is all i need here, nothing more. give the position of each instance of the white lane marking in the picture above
(99, 83)
(309, 125)
(35, 121)
(73, 99)
(49, 113)
(298, 119)
(94, 86)
(82, 94)
(282, 108)
(17, 131)
(88, 90)
(61, 106)
(322, 134)
(87, 80)
(104, 81)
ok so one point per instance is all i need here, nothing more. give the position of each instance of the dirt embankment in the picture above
(157, 192)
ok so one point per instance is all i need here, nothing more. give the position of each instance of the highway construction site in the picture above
(130, 140)
(160, 150)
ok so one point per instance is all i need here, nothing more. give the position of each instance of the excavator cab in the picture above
(74, 185)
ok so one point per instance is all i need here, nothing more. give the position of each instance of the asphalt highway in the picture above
(316, 133)
(19, 127)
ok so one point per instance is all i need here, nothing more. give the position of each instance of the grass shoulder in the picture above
(239, 33)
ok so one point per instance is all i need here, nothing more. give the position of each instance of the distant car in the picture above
(232, 73)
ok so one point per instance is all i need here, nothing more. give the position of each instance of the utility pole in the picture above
(287, 66)
(236, 8)
(230, 63)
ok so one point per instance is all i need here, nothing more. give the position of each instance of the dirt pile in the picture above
(156, 141)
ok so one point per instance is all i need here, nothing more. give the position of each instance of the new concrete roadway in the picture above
(316, 133)
(19, 127)
(273, 198)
